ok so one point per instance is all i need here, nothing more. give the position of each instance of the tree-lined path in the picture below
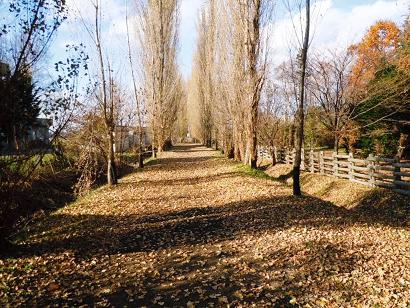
(194, 229)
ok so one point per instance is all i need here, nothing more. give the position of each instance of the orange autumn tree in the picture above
(403, 59)
(380, 89)
(373, 51)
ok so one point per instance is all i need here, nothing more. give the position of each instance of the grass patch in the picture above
(150, 161)
(257, 173)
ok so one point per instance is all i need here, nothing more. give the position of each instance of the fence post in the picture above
(350, 166)
(312, 162)
(335, 164)
(396, 173)
(275, 152)
(370, 169)
(321, 163)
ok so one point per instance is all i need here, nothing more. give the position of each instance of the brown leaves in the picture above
(192, 232)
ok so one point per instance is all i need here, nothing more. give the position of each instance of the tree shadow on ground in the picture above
(193, 256)
(191, 149)
(208, 276)
(170, 162)
(213, 280)
(90, 235)
(184, 181)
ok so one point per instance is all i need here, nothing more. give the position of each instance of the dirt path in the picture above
(195, 230)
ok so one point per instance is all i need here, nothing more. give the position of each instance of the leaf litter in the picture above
(193, 231)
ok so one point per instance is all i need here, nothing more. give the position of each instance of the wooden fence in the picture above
(373, 171)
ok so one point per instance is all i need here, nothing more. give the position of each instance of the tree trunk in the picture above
(336, 144)
(111, 168)
(252, 138)
(236, 146)
(298, 151)
(300, 112)
(291, 139)
(403, 144)
(15, 146)
(272, 153)
(141, 148)
(242, 149)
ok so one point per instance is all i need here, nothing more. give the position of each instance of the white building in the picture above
(127, 138)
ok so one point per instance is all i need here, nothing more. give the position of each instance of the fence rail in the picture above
(374, 171)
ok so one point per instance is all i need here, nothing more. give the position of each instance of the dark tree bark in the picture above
(272, 153)
(111, 168)
(300, 112)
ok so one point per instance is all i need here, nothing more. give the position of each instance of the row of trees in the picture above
(83, 96)
(229, 71)
(155, 85)
(76, 105)
(158, 36)
(356, 97)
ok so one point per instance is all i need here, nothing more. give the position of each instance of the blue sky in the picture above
(339, 23)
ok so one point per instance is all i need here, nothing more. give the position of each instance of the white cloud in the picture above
(335, 27)
(81, 13)
(114, 27)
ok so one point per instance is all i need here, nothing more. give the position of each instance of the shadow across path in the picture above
(196, 253)
(193, 226)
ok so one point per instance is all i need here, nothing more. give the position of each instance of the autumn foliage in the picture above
(375, 48)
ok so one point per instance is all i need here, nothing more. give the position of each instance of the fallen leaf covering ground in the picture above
(195, 230)
(343, 192)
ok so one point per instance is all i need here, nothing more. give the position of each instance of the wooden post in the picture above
(275, 152)
(396, 173)
(321, 163)
(302, 163)
(370, 169)
(351, 165)
(312, 162)
(335, 164)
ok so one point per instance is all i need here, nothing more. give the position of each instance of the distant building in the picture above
(4, 70)
(40, 131)
(127, 138)
(37, 137)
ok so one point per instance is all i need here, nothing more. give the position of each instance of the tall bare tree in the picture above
(203, 73)
(106, 89)
(158, 35)
(300, 114)
(137, 96)
(237, 26)
(329, 81)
